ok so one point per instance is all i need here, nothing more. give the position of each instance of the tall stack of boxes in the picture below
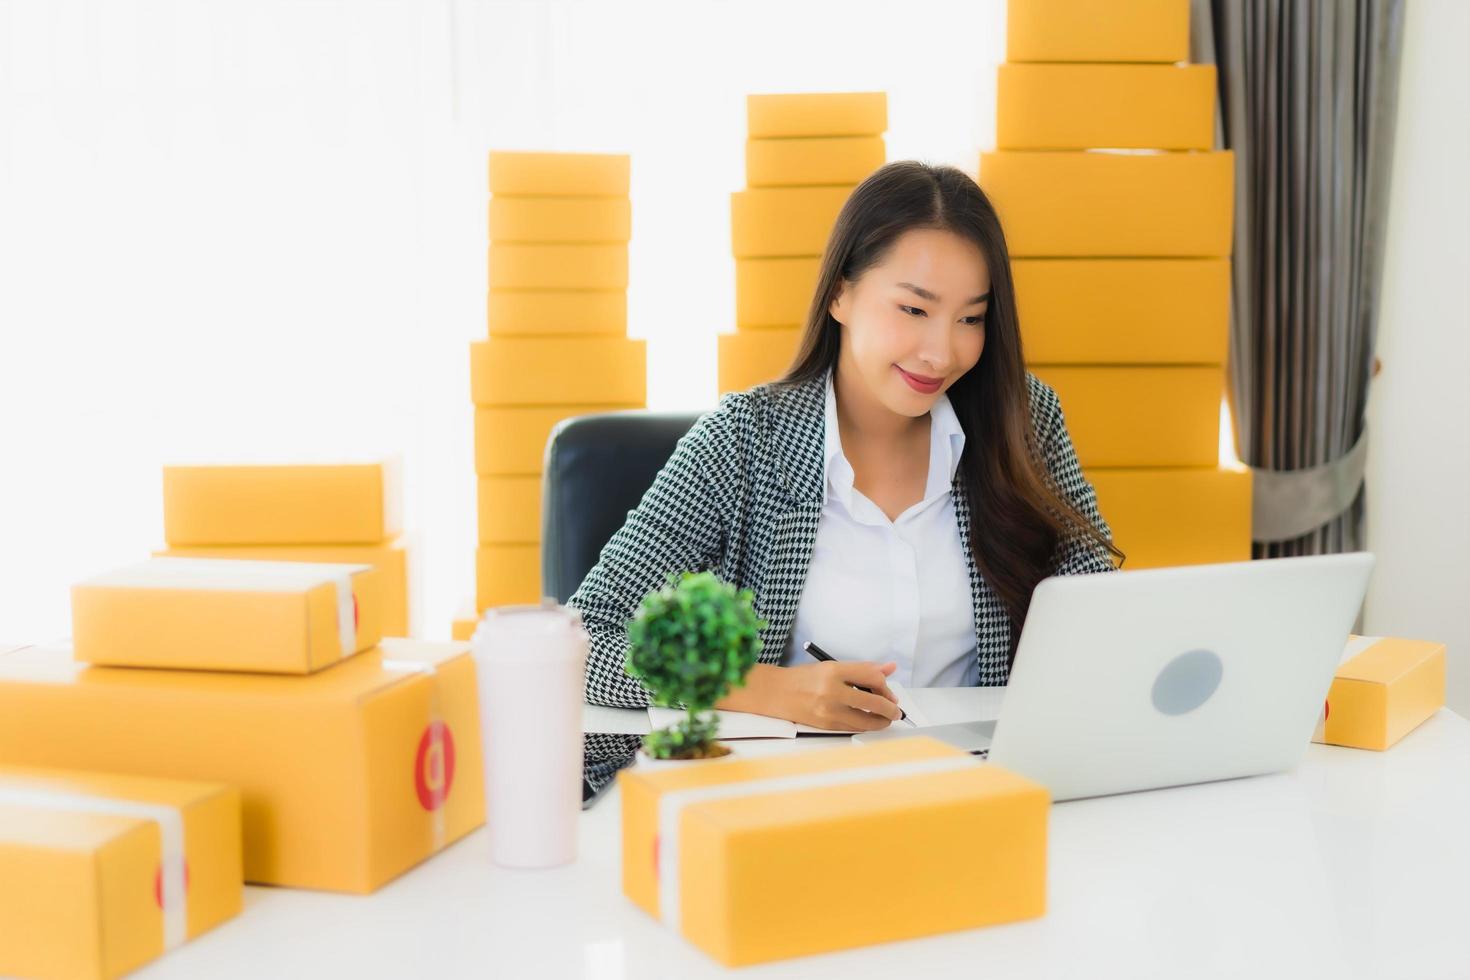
(803, 156)
(345, 514)
(557, 347)
(1118, 217)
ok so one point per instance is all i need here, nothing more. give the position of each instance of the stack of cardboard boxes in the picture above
(348, 514)
(803, 156)
(217, 721)
(557, 347)
(1118, 215)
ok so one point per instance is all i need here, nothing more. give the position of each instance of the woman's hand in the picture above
(820, 694)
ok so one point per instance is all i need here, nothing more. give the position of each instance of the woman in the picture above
(895, 498)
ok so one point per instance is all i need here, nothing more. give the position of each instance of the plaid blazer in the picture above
(742, 494)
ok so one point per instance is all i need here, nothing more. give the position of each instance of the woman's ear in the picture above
(837, 309)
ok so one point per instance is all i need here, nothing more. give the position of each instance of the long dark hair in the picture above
(1019, 518)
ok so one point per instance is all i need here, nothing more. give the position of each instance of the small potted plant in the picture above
(690, 643)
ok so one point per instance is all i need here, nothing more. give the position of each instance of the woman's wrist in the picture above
(756, 696)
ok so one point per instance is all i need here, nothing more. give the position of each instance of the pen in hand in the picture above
(821, 654)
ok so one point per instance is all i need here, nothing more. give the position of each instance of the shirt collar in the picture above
(946, 443)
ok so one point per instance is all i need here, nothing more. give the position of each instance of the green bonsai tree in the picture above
(690, 643)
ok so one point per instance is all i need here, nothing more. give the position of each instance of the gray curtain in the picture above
(1307, 95)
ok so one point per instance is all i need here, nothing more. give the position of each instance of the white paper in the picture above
(615, 721)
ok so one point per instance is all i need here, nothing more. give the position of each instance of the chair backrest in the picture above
(597, 469)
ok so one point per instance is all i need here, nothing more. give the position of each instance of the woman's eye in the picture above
(912, 310)
(975, 321)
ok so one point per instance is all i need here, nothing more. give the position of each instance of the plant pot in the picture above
(646, 761)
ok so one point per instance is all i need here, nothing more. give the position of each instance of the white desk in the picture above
(1355, 865)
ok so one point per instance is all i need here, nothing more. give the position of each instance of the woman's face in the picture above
(913, 324)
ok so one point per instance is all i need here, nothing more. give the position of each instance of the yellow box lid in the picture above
(356, 678)
(1388, 659)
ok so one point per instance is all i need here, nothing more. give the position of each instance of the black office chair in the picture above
(597, 468)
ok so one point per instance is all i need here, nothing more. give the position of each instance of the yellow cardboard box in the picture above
(1384, 689)
(510, 509)
(783, 221)
(559, 371)
(574, 174)
(1099, 204)
(512, 441)
(102, 873)
(1165, 517)
(542, 312)
(1075, 107)
(507, 575)
(560, 219)
(216, 614)
(348, 777)
(812, 160)
(1087, 30)
(313, 504)
(816, 114)
(390, 558)
(1123, 311)
(752, 357)
(1140, 416)
(529, 266)
(706, 847)
(774, 292)
(463, 626)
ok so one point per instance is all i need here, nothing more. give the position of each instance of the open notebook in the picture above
(742, 724)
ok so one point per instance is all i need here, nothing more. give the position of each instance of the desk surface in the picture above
(1356, 864)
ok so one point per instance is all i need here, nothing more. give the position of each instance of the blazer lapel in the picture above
(794, 438)
(992, 621)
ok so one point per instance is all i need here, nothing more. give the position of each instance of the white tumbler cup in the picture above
(531, 662)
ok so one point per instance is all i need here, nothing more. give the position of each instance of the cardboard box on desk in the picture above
(1149, 415)
(102, 873)
(511, 440)
(767, 222)
(1075, 107)
(464, 625)
(556, 312)
(799, 114)
(812, 160)
(559, 371)
(572, 174)
(1123, 311)
(507, 574)
(348, 777)
(1385, 689)
(1086, 30)
(752, 357)
(774, 292)
(570, 220)
(1100, 204)
(710, 846)
(517, 265)
(208, 614)
(256, 505)
(390, 558)
(510, 509)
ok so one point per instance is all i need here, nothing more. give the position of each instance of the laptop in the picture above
(1138, 680)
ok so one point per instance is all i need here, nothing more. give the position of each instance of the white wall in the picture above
(1419, 409)
(256, 229)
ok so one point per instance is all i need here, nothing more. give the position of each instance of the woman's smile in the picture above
(921, 383)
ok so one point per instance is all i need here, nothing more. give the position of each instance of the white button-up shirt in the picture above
(885, 590)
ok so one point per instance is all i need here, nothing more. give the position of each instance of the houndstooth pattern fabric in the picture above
(742, 495)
